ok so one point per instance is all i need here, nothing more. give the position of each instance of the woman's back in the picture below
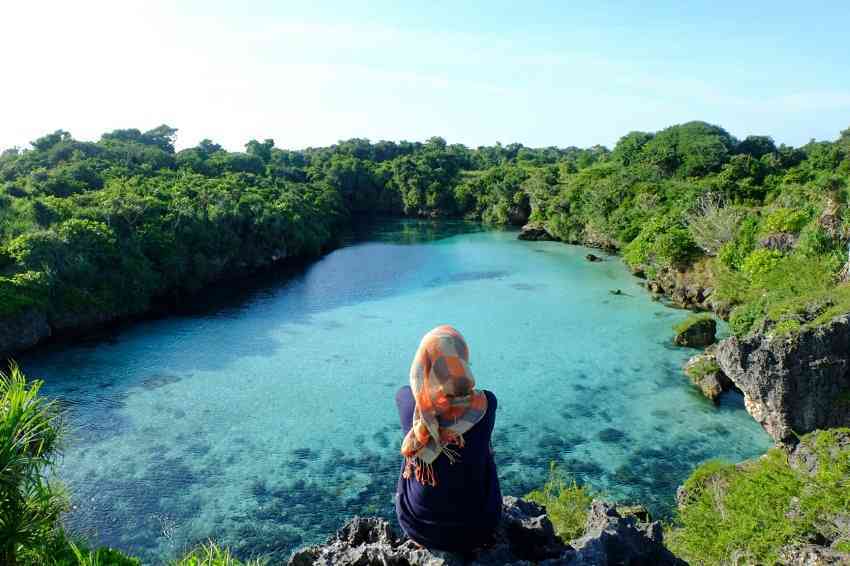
(462, 510)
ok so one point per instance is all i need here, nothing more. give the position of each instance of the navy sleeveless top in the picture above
(462, 511)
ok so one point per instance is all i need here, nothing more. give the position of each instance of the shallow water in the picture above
(264, 416)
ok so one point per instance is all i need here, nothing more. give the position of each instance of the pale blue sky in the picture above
(312, 73)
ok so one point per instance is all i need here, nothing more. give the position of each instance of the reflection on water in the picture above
(263, 415)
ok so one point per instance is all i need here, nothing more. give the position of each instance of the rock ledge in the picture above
(524, 537)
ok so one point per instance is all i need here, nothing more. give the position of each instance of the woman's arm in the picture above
(405, 404)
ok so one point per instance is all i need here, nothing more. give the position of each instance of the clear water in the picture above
(264, 416)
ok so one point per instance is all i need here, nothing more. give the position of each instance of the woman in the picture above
(448, 493)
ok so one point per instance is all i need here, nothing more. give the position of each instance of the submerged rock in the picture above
(793, 384)
(524, 537)
(592, 257)
(535, 232)
(696, 333)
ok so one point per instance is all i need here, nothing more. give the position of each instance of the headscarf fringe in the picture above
(422, 471)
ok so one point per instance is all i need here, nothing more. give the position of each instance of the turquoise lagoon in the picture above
(263, 416)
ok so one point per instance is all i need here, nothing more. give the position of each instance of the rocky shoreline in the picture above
(525, 536)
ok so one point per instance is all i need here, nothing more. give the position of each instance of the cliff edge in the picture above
(793, 384)
(524, 537)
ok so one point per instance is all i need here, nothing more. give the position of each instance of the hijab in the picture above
(447, 403)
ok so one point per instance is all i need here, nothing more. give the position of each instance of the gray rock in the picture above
(804, 457)
(23, 330)
(535, 232)
(610, 539)
(781, 242)
(592, 257)
(812, 555)
(793, 384)
(524, 537)
(711, 383)
(700, 333)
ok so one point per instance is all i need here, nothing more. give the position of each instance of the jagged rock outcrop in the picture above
(705, 373)
(524, 537)
(696, 333)
(686, 289)
(793, 384)
(535, 232)
(781, 242)
(812, 555)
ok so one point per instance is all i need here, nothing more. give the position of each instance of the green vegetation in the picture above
(30, 534)
(690, 321)
(750, 511)
(566, 502)
(211, 554)
(702, 367)
(91, 231)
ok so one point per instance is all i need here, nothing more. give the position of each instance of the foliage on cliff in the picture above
(750, 512)
(93, 230)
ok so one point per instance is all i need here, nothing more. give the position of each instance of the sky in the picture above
(311, 73)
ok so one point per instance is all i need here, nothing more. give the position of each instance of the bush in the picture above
(566, 502)
(759, 264)
(785, 220)
(733, 253)
(663, 241)
(712, 224)
(210, 554)
(744, 318)
(740, 514)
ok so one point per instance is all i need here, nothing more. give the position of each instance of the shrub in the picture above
(566, 502)
(704, 366)
(712, 224)
(740, 514)
(759, 264)
(733, 253)
(744, 317)
(211, 554)
(663, 241)
(785, 220)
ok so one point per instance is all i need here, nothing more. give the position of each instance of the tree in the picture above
(261, 150)
(757, 146)
(29, 444)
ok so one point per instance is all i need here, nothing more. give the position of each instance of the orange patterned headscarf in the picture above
(447, 404)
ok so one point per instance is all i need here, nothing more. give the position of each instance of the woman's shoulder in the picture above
(404, 395)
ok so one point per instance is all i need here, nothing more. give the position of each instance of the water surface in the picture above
(263, 416)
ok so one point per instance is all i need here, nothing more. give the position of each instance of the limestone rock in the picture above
(705, 373)
(812, 555)
(535, 232)
(781, 242)
(610, 539)
(524, 537)
(793, 384)
(697, 334)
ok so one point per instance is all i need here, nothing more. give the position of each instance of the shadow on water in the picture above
(378, 258)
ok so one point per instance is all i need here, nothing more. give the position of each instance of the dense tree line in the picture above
(93, 230)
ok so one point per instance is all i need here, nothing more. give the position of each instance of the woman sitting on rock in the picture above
(448, 493)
